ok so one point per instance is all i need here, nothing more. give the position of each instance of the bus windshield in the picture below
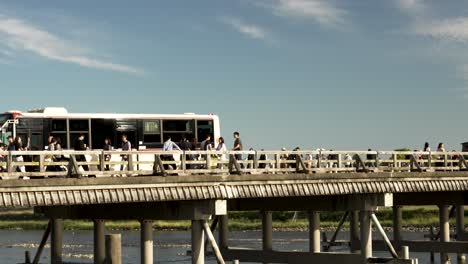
(4, 129)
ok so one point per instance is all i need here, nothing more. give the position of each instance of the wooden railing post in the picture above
(183, 160)
(278, 162)
(255, 161)
(130, 162)
(339, 165)
(102, 160)
(395, 160)
(377, 160)
(9, 162)
(41, 163)
(319, 159)
(445, 161)
(208, 161)
(429, 160)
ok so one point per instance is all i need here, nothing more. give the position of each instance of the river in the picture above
(170, 246)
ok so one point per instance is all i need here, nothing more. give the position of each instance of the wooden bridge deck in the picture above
(58, 191)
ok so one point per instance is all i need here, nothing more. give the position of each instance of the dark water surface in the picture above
(170, 246)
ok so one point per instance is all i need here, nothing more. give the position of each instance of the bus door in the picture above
(126, 127)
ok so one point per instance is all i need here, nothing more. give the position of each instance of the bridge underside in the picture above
(203, 198)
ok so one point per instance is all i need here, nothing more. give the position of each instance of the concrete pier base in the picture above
(366, 235)
(56, 241)
(113, 249)
(267, 230)
(314, 231)
(198, 242)
(99, 241)
(146, 242)
(444, 231)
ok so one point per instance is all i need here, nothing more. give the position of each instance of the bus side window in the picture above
(204, 128)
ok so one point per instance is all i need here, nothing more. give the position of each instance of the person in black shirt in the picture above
(185, 145)
(238, 147)
(11, 144)
(107, 147)
(81, 146)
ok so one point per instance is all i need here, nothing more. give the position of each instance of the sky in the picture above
(334, 74)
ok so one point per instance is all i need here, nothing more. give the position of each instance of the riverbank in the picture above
(414, 218)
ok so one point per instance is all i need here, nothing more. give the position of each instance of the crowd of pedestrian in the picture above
(288, 159)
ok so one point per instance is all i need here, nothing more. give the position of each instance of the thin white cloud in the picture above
(453, 29)
(249, 30)
(17, 35)
(323, 12)
(412, 6)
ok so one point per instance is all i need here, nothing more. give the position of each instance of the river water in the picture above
(169, 246)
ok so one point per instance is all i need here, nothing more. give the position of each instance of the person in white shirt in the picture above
(169, 145)
(221, 147)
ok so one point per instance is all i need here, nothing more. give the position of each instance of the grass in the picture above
(413, 216)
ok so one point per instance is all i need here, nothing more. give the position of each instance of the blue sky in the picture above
(335, 74)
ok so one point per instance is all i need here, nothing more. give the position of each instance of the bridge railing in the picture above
(67, 163)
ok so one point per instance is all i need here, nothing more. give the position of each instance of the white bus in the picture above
(145, 131)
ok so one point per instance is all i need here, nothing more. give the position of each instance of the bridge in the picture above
(203, 186)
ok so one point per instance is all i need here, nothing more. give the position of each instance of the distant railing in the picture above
(99, 163)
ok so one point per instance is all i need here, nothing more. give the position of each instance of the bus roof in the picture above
(56, 112)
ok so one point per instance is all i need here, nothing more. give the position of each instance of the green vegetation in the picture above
(413, 216)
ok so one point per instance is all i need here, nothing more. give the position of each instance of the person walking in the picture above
(17, 145)
(221, 147)
(169, 145)
(126, 146)
(185, 145)
(238, 147)
(107, 157)
(81, 146)
(426, 157)
(51, 158)
(440, 158)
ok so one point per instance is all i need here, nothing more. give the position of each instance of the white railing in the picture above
(22, 164)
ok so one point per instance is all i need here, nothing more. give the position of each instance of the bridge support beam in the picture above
(314, 231)
(56, 241)
(444, 231)
(267, 230)
(354, 231)
(99, 241)
(146, 242)
(460, 222)
(223, 231)
(366, 235)
(397, 224)
(198, 241)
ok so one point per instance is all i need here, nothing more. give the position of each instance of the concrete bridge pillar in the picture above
(354, 231)
(146, 241)
(444, 231)
(99, 241)
(267, 230)
(366, 235)
(223, 231)
(397, 224)
(56, 241)
(460, 221)
(314, 231)
(198, 242)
